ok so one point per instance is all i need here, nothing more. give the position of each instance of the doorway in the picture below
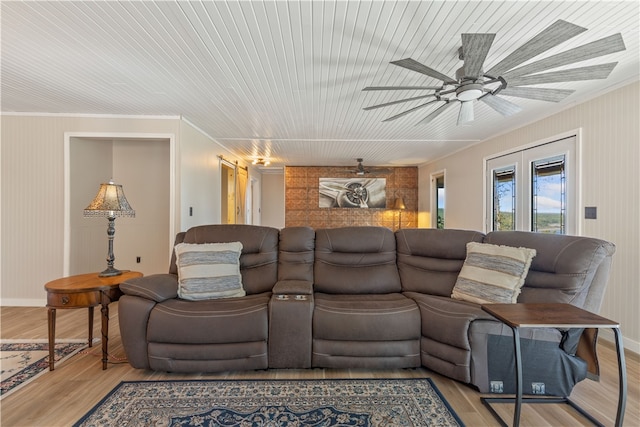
(227, 192)
(143, 165)
(234, 198)
(438, 199)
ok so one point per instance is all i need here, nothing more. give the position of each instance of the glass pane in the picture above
(440, 201)
(504, 199)
(548, 193)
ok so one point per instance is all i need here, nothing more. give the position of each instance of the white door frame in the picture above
(577, 164)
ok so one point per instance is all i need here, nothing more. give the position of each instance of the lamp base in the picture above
(109, 272)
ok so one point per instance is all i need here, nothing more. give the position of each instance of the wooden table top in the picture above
(88, 282)
(552, 315)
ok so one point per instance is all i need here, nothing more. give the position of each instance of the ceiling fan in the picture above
(360, 170)
(508, 77)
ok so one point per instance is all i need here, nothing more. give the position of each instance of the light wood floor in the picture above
(62, 397)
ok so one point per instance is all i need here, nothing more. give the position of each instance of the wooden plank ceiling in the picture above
(283, 79)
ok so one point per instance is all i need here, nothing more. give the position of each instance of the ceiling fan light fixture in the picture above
(513, 75)
(261, 162)
(469, 92)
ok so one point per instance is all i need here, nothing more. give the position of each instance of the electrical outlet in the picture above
(190, 211)
(590, 212)
(138, 259)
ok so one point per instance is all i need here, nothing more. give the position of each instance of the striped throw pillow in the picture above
(209, 270)
(492, 274)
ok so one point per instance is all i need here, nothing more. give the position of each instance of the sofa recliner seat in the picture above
(198, 335)
(566, 269)
(361, 319)
(365, 297)
(171, 334)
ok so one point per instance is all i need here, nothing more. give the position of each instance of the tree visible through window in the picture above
(548, 191)
(504, 199)
(440, 201)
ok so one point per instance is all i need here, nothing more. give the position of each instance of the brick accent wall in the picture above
(302, 199)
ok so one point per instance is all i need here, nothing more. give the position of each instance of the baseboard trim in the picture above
(22, 302)
(629, 344)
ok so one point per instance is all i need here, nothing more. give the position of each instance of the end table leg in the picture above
(105, 329)
(518, 361)
(90, 326)
(622, 375)
(51, 317)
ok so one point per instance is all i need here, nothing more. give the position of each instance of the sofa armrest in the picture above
(156, 287)
(293, 287)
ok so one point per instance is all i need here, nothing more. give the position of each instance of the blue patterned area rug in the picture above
(22, 361)
(203, 403)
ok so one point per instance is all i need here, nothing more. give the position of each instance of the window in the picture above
(548, 189)
(504, 198)
(438, 201)
(534, 189)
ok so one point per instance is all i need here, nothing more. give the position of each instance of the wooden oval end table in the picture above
(84, 291)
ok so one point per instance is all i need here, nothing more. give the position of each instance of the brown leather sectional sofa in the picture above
(363, 297)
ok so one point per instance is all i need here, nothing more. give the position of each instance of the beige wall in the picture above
(200, 177)
(610, 181)
(32, 233)
(272, 210)
(90, 164)
(142, 167)
(33, 195)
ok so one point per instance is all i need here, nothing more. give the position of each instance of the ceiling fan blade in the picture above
(397, 116)
(402, 88)
(541, 94)
(558, 32)
(591, 50)
(501, 105)
(466, 112)
(414, 65)
(475, 48)
(435, 114)
(593, 72)
(386, 104)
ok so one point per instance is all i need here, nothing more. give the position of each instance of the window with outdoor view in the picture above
(504, 198)
(548, 179)
(440, 201)
(534, 189)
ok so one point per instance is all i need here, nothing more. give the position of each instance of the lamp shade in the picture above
(399, 204)
(110, 201)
